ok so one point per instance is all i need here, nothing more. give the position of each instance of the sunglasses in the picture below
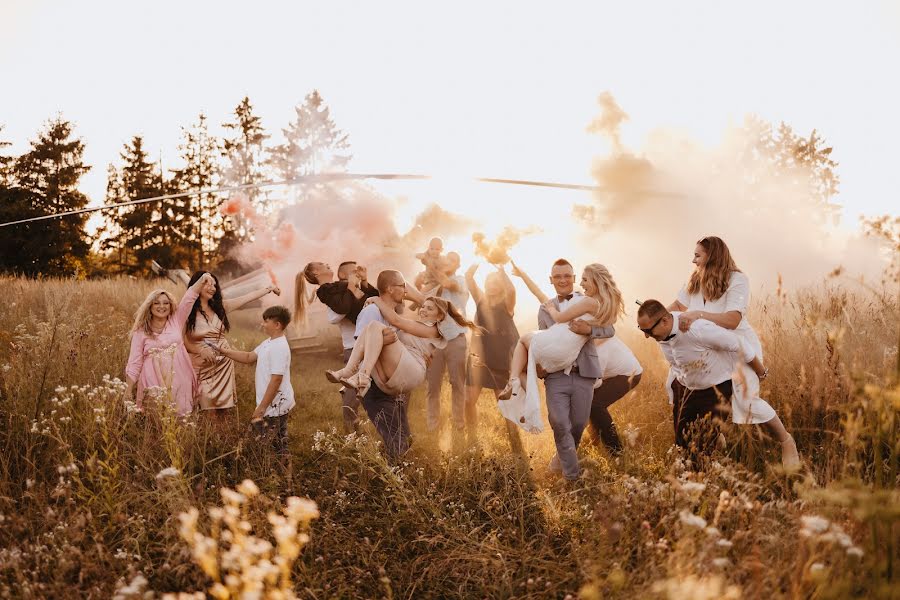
(649, 330)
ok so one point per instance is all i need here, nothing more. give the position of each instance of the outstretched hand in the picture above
(470, 272)
(516, 270)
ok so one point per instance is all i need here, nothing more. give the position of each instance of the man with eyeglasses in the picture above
(388, 413)
(703, 359)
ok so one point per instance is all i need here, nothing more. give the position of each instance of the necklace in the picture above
(155, 330)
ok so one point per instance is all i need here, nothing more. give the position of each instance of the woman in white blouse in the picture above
(720, 293)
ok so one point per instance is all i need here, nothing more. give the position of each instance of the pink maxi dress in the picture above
(160, 363)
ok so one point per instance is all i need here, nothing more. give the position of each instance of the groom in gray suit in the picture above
(569, 396)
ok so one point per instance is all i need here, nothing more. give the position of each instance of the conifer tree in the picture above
(313, 143)
(202, 224)
(50, 172)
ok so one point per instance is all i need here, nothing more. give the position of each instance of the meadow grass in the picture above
(91, 491)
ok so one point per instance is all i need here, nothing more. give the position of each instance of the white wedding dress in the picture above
(555, 349)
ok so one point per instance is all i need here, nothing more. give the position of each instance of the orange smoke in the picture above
(497, 252)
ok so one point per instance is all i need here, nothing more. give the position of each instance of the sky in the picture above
(497, 89)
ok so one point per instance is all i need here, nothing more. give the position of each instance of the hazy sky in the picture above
(502, 89)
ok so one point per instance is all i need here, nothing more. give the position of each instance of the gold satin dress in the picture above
(216, 380)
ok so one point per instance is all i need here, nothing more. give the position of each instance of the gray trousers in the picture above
(568, 409)
(388, 415)
(453, 359)
(349, 402)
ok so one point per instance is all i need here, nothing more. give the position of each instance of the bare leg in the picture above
(517, 368)
(520, 357)
(790, 459)
(353, 361)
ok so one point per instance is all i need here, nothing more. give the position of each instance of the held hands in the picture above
(274, 289)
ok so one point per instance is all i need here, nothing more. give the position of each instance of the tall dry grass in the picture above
(91, 492)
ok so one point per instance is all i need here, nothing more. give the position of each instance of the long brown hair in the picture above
(301, 296)
(447, 308)
(712, 279)
(608, 294)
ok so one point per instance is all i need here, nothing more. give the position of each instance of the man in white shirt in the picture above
(703, 360)
(452, 358)
(388, 413)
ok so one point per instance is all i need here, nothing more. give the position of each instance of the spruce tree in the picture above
(243, 153)
(51, 171)
(202, 225)
(313, 143)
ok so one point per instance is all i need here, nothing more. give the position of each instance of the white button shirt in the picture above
(705, 355)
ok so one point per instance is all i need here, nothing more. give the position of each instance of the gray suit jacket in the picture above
(588, 363)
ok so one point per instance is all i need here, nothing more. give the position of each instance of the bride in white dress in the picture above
(720, 293)
(557, 347)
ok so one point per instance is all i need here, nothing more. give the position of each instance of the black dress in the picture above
(491, 349)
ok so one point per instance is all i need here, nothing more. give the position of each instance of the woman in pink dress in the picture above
(159, 363)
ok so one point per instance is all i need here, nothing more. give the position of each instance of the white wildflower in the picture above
(167, 472)
(813, 524)
(692, 520)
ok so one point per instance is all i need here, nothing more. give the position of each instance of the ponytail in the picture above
(446, 307)
(302, 298)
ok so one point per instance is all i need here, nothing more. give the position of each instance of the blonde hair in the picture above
(302, 298)
(143, 317)
(446, 308)
(608, 295)
(713, 278)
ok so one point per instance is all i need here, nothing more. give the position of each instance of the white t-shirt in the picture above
(449, 328)
(367, 315)
(736, 297)
(347, 327)
(616, 358)
(273, 357)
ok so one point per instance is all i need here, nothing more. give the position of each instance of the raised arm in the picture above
(510, 291)
(472, 284)
(584, 306)
(411, 327)
(236, 303)
(529, 283)
(414, 295)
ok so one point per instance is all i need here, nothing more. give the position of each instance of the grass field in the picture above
(91, 492)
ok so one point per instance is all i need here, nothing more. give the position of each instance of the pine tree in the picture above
(244, 166)
(203, 224)
(313, 143)
(50, 171)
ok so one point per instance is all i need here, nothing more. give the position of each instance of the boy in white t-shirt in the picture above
(274, 394)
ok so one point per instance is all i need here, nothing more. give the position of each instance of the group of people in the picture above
(398, 336)
(180, 354)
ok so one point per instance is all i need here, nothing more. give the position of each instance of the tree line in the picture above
(187, 232)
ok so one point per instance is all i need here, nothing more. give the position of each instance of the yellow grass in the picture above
(88, 510)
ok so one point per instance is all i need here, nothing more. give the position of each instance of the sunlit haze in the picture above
(480, 89)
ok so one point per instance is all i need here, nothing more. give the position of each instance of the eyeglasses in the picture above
(649, 330)
(403, 285)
